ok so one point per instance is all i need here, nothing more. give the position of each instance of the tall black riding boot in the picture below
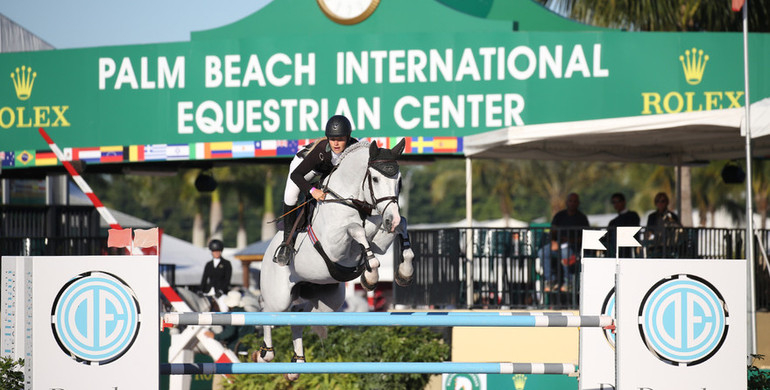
(285, 252)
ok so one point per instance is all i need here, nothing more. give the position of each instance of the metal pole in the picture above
(468, 233)
(751, 304)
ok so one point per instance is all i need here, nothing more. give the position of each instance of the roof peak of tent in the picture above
(300, 17)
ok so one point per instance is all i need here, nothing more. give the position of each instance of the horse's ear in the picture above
(374, 150)
(399, 148)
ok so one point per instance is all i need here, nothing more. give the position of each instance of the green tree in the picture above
(663, 15)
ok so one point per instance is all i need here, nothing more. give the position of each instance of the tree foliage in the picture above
(663, 15)
(351, 344)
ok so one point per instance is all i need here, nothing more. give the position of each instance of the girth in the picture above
(340, 273)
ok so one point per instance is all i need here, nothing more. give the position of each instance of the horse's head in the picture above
(384, 182)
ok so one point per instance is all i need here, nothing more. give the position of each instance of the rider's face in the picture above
(338, 144)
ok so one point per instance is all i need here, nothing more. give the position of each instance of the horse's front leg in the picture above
(405, 273)
(371, 275)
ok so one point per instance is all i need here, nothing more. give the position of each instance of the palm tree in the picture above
(663, 15)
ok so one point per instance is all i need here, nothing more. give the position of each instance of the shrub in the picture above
(11, 374)
(350, 344)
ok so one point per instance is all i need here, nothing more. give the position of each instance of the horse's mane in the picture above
(352, 148)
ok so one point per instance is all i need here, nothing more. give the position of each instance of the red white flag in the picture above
(738, 4)
(119, 238)
(146, 238)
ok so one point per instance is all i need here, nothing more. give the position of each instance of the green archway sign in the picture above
(265, 85)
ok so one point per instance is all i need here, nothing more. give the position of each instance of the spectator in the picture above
(625, 217)
(564, 245)
(659, 239)
(217, 273)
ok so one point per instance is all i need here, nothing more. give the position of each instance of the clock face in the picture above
(348, 11)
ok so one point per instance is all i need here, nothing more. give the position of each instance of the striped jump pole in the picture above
(217, 351)
(368, 368)
(386, 319)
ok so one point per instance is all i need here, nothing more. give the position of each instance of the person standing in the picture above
(661, 241)
(625, 217)
(565, 242)
(218, 271)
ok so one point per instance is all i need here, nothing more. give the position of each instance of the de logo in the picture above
(95, 318)
(683, 320)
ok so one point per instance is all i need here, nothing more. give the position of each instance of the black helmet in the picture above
(216, 245)
(338, 126)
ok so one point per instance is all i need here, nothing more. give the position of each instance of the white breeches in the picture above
(291, 193)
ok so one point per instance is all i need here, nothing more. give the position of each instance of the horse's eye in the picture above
(376, 179)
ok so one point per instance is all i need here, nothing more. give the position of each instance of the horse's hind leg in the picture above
(276, 297)
(371, 276)
(299, 351)
(265, 353)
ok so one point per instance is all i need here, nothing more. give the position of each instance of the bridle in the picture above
(390, 199)
(365, 208)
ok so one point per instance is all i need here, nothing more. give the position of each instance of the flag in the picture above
(423, 144)
(24, 157)
(243, 149)
(119, 238)
(738, 4)
(43, 157)
(220, 150)
(145, 238)
(178, 152)
(444, 144)
(382, 142)
(8, 158)
(155, 152)
(136, 153)
(287, 148)
(626, 236)
(591, 239)
(265, 148)
(111, 154)
(88, 154)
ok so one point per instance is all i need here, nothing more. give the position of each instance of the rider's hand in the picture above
(317, 194)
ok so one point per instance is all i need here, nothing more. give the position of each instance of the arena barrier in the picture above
(368, 368)
(388, 319)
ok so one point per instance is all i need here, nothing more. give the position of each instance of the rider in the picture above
(317, 159)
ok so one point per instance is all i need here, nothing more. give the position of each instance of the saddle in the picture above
(303, 220)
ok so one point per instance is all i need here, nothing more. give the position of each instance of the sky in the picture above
(67, 24)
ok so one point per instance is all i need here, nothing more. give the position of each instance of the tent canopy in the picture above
(682, 138)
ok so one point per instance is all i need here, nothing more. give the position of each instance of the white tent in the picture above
(190, 261)
(681, 138)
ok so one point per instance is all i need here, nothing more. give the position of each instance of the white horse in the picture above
(366, 179)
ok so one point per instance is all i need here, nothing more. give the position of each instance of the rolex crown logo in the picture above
(518, 381)
(694, 64)
(23, 82)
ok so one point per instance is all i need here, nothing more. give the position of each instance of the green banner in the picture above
(269, 87)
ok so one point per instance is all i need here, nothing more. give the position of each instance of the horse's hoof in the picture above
(404, 281)
(291, 377)
(366, 285)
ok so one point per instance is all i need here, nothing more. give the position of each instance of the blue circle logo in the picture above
(683, 320)
(95, 318)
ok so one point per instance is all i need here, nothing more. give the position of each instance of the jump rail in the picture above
(387, 319)
(368, 368)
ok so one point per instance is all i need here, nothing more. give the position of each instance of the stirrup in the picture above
(284, 254)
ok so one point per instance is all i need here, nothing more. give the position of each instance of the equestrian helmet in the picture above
(338, 126)
(216, 245)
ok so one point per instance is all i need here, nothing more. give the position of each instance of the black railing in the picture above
(539, 267)
(56, 231)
